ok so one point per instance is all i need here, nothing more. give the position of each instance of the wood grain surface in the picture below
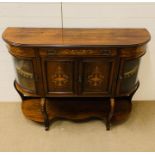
(75, 37)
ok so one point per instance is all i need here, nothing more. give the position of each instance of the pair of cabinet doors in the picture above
(79, 76)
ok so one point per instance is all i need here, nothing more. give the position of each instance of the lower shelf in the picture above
(76, 109)
(73, 108)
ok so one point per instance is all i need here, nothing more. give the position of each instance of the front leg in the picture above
(110, 113)
(44, 112)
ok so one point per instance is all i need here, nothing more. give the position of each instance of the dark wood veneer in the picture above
(67, 37)
(76, 73)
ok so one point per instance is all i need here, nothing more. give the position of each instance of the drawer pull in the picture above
(106, 52)
(51, 52)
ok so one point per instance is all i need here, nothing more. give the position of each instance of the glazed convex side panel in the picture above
(25, 74)
(129, 66)
(28, 70)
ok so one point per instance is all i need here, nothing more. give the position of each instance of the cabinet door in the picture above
(59, 76)
(97, 76)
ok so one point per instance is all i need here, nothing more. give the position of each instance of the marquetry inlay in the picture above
(59, 78)
(81, 52)
(96, 78)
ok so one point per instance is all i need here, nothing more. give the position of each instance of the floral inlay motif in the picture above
(59, 78)
(96, 78)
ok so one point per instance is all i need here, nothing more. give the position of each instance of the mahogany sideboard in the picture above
(76, 74)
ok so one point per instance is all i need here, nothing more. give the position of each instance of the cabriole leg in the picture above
(44, 112)
(110, 114)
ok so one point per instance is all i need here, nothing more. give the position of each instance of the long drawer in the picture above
(107, 52)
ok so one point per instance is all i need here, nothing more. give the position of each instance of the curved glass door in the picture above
(128, 77)
(24, 74)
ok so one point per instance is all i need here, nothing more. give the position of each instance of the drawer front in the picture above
(59, 76)
(97, 76)
(107, 52)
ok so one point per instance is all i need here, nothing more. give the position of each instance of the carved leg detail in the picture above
(110, 114)
(44, 112)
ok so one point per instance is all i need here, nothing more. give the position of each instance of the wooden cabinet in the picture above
(76, 73)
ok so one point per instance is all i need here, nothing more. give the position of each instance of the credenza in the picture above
(76, 73)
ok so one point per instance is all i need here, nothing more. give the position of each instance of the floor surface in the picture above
(20, 134)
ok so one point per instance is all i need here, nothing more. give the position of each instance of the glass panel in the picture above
(24, 72)
(130, 72)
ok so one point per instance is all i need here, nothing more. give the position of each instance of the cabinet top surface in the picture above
(57, 37)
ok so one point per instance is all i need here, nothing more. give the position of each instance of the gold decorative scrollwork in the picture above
(78, 52)
(24, 73)
(24, 68)
(96, 78)
(131, 72)
(105, 52)
(59, 78)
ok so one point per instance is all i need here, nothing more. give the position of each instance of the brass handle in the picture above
(51, 52)
(106, 52)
